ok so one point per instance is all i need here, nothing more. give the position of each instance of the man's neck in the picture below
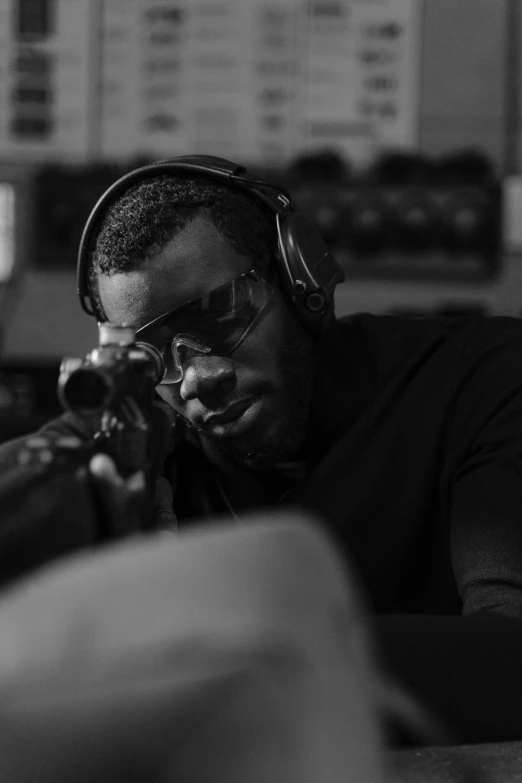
(338, 385)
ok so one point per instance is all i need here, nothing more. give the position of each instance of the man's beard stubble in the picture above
(296, 358)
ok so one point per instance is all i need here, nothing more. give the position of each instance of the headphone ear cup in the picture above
(304, 246)
(309, 270)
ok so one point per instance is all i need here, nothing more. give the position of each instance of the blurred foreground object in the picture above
(227, 654)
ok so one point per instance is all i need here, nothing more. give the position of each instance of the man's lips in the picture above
(228, 414)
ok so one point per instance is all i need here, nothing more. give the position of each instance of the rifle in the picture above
(112, 391)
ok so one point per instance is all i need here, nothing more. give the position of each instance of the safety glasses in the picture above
(217, 323)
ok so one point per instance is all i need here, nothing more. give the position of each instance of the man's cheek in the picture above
(268, 344)
(168, 395)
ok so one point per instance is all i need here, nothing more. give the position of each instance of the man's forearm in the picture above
(465, 670)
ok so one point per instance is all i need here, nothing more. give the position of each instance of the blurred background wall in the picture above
(395, 123)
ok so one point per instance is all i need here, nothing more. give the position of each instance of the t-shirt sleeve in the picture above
(44, 514)
(62, 425)
(486, 476)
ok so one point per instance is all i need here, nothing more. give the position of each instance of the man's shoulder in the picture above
(394, 346)
(491, 359)
(458, 350)
(471, 337)
(384, 323)
(495, 331)
(485, 345)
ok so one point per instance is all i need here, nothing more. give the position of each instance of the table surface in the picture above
(484, 763)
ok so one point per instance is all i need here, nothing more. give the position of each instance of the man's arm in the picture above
(464, 670)
(49, 510)
(65, 425)
(467, 669)
(44, 513)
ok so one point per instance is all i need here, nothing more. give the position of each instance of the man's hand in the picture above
(164, 517)
(125, 503)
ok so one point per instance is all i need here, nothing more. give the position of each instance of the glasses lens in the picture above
(183, 346)
(220, 320)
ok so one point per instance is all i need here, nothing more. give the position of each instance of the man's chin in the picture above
(277, 444)
(259, 459)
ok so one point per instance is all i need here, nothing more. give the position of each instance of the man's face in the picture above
(252, 404)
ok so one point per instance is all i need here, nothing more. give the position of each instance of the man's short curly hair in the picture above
(147, 216)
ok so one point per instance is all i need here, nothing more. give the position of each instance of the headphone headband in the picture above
(309, 271)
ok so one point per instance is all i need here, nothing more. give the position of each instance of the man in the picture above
(403, 436)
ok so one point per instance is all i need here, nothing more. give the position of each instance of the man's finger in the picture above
(164, 516)
(123, 500)
(103, 468)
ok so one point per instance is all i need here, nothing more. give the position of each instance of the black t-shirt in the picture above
(421, 485)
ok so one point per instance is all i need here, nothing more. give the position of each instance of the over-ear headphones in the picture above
(308, 271)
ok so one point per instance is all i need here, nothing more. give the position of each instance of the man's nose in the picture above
(206, 377)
